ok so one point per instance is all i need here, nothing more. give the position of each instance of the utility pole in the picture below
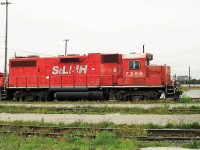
(66, 46)
(189, 77)
(6, 42)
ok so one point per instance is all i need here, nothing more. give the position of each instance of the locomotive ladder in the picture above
(3, 93)
(170, 91)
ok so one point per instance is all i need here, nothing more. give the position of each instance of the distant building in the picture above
(183, 78)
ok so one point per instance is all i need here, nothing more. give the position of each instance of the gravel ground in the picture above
(115, 118)
(146, 106)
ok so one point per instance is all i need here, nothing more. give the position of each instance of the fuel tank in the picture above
(94, 95)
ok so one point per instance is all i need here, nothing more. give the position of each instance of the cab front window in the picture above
(134, 64)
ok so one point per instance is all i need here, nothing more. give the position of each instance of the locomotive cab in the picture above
(134, 69)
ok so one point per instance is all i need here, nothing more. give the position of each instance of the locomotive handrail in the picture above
(15, 81)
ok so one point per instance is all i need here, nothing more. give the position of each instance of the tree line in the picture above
(192, 81)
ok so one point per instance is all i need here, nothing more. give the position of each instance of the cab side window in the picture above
(134, 64)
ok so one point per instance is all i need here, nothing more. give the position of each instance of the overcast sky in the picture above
(170, 29)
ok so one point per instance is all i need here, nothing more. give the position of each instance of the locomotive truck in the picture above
(94, 76)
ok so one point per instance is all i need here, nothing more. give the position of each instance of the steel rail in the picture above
(99, 109)
(102, 110)
(193, 99)
(60, 131)
(184, 110)
(142, 138)
(95, 109)
(56, 128)
(173, 132)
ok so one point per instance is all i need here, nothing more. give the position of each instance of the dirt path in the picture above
(115, 118)
(146, 106)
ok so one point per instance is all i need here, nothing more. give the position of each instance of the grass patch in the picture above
(105, 141)
(97, 110)
(185, 99)
(186, 88)
(105, 138)
(193, 145)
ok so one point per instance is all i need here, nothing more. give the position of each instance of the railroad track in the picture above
(95, 110)
(112, 100)
(91, 132)
(185, 110)
(101, 110)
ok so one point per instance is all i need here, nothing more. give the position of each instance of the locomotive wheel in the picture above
(129, 98)
(17, 96)
(153, 95)
(142, 97)
(119, 97)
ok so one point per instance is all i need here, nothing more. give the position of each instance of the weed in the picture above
(153, 144)
(153, 126)
(170, 125)
(72, 139)
(195, 125)
(195, 144)
(106, 124)
(194, 107)
(75, 147)
(185, 99)
(42, 121)
(166, 105)
(105, 138)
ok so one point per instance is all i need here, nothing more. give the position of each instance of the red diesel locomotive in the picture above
(93, 77)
